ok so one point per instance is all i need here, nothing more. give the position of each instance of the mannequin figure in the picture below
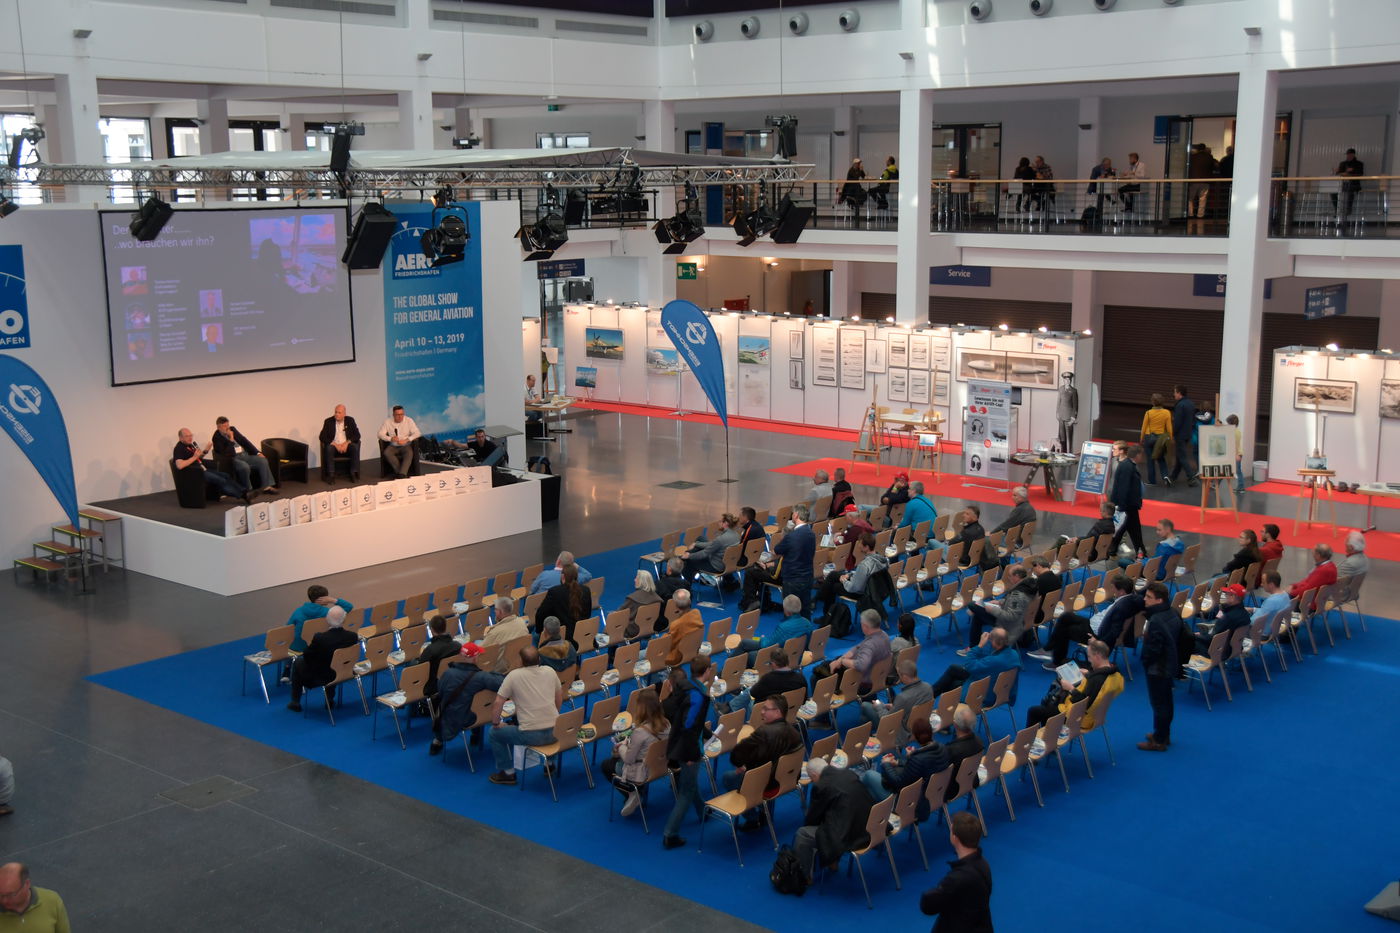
(1067, 411)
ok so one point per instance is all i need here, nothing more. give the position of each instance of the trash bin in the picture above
(1261, 471)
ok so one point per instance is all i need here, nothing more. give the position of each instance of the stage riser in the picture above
(229, 566)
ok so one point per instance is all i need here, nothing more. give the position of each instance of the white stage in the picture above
(240, 564)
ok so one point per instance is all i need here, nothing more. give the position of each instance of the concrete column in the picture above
(1249, 226)
(913, 242)
(1086, 316)
(845, 290)
(1089, 154)
(77, 114)
(658, 129)
(843, 141)
(295, 125)
(416, 117)
(213, 130)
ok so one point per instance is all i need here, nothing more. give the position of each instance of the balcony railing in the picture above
(1330, 206)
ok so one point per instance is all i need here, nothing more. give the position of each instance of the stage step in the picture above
(40, 565)
(57, 547)
(101, 519)
(71, 532)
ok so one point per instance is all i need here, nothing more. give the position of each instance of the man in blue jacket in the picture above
(990, 658)
(797, 549)
(318, 602)
(1184, 433)
(918, 509)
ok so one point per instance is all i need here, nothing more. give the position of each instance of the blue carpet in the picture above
(1257, 819)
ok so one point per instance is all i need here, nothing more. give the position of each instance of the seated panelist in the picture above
(189, 456)
(340, 436)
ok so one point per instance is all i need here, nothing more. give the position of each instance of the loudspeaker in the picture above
(340, 153)
(370, 237)
(792, 219)
(575, 207)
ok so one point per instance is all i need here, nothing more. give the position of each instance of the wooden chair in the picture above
(854, 742)
(411, 641)
(586, 634)
(977, 694)
(727, 731)
(503, 584)
(601, 719)
(380, 616)
(590, 674)
(1002, 692)
(786, 774)
(906, 811)
(376, 659)
(1200, 667)
(887, 732)
(1074, 731)
(735, 803)
(948, 702)
(276, 650)
(1049, 740)
(1187, 567)
(483, 705)
(444, 597)
(474, 591)
(1017, 758)
(527, 577)
(565, 737)
(414, 606)
(992, 761)
(475, 623)
(657, 769)
(595, 587)
(1096, 720)
(411, 683)
(967, 787)
(816, 646)
(823, 693)
(532, 604)
(646, 619)
(343, 665)
(936, 790)
(878, 827)
(625, 660)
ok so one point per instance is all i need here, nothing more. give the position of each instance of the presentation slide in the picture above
(227, 291)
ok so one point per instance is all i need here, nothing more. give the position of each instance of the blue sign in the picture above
(14, 306)
(561, 269)
(695, 338)
(1094, 458)
(432, 328)
(1208, 286)
(1161, 127)
(977, 276)
(1325, 301)
(30, 414)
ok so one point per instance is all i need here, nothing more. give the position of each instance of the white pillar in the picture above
(77, 111)
(843, 132)
(1256, 104)
(416, 117)
(845, 291)
(913, 245)
(1086, 315)
(295, 126)
(1090, 110)
(1388, 333)
(658, 126)
(213, 128)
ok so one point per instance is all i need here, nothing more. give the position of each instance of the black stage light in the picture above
(792, 219)
(7, 207)
(150, 220)
(687, 226)
(16, 150)
(446, 241)
(548, 233)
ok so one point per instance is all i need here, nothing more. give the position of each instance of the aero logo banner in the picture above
(696, 341)
(14, 306)
(432, 327)
(30, 415)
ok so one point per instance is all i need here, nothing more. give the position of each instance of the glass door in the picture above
(967, 150)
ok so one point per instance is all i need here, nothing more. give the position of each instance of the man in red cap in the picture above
(457, 685)
(1231, 615)
(897, 494)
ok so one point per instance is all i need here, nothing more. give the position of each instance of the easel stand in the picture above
(1319, 479)
(868, 445)
(1219, 485)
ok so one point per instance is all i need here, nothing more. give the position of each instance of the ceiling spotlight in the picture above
(548, 233)
(687, 226)
(445, 242)
(147, 222)
(907, 56)
(758, 222)
(81, 33)
(1044, 329)
(1333, 347)
(1002, 327)
(1253, 31)
(7, 206)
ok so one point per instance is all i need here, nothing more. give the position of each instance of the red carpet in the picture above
(1380, 544)
(1283, 488)
(751, 424)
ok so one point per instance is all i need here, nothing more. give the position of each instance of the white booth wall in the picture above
(784, 390)
(121, 437)
(1364, 446)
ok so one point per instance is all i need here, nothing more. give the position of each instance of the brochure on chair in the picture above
(1070, 673)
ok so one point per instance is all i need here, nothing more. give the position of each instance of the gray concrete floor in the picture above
(93, 765)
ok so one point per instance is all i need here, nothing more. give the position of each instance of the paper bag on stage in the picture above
(321, 506)
(259, 517)
(442, 483)
(415, 489)
(366, 498)
(301, 510)
(342, 502)
(387, 495)
(281, 513)
(236, 522)
(478, 478)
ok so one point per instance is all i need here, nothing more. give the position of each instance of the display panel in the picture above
(227, 291)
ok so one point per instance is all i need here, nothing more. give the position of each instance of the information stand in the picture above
(1094, 458)
(986, 431)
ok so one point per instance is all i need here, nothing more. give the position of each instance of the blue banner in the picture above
(30, 414)
(1325, 301)
(432, 328)
(14, 306)
(977, 276)
(695, 339)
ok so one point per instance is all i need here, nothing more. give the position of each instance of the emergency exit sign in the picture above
(687, 270)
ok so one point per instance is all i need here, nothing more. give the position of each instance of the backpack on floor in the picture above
(839, 618)
(1090, 215)
(787, 874)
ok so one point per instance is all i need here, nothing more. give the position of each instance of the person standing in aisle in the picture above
(1184, 432)
(1126, 494)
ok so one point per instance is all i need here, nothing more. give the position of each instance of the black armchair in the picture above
(416, 469)
(191, 489)
(287, 458)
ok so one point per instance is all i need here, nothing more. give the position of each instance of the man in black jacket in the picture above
(340, 436)
(1106, 624)
(686, 709)
(188, 456)
(231, 448)
(972, 530)
(1183, 430)
(928, 758)
(441, 647)
(1231, 615)
(1126, 494)
(836, 817)
(1100, 669)
(1161, 664)
(458, 684)
(313, 668)
(962, 900)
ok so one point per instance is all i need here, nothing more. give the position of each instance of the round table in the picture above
(1044, 464)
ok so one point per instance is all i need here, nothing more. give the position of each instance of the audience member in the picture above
(26, 907)
(1132, 175)
(627, 768)
(1230, 616)
(532, 397)
(906, 637)
(537, 693)
(569, 600)
(687, 622)
(1276, 600)
(873, 648)
(1270, 548)
(841, 493)
(821, 488)
(458, 685)
(779, 679)
(1161, 662)
(240, 453)
(439, 648)
(643, 594)
(554, 575)
(313, 668)
(556, 651)
(992, 655)
(963, 899)
(1324, 573)
(686, 709)
(918, 509)
(708, 556)
(1247, 554)
(672, 579)
(927, 758)
(507, 628)
(1106, 624)
(772, 738)
(869, 562)
(188, 456)
(1169, 545)
(1355, 562)
(797, 548)
(836, 816)
(856, 525)
(318, 603)
(339, 436)
(749, 530)
(1103, 525)
(398, 432)
(912, 692)
(965, 744)
(1064, 694)
(898, 493)
(1021, 513)
(1009, 614)
(968, 535)
(794, 625)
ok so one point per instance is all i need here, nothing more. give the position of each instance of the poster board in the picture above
(825, 365)
(1094, 459)
(852, 341)
(1217, 450)
(987, 429)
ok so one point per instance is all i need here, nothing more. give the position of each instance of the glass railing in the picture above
(1331, 206)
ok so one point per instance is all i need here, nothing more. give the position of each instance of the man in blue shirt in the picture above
(794, 624)
(1168, 545)
(990, 658)
(1277, 599)
(918, 509)
(318, 602)
(554, 576)
(1184, 433)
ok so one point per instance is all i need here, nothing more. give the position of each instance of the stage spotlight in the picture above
(147, 223)
(687, 226)
(443, 197)
(446, 241)
(548, 233)
(7, 207)
(758, 222)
